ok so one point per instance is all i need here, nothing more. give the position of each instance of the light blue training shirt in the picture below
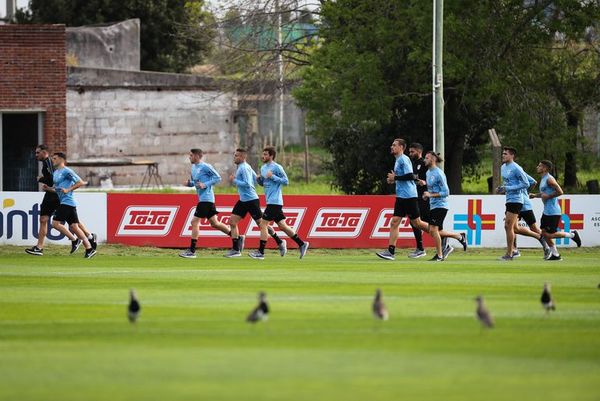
(273, 184)
(436, 183)
(515, 180)
(65, 178)
(551, 207)
(244, 180)
(404, 189)
(206, 174)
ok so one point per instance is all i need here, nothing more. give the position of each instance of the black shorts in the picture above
(424, 211)
(528, 217)
(437, 216)
(49, 204)
(66, 213)
(243, 208)
(514, 207)
(273, 213)
(550, 223)
(406, 207)
(205, 210)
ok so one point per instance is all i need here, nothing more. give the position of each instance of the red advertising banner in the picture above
(164, 220)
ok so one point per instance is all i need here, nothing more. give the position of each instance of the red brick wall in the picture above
(33, 75)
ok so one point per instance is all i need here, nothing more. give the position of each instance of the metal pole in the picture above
(280, 79)
(438, 82)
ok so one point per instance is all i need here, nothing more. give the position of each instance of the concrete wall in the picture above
(110, 46)
(138, 121)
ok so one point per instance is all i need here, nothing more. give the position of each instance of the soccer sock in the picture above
(276, 238)
(392, 249)
(555, 251)
(297, 240)
(261, 247)
(90, 237)
(236, 244)
(193, 245)
(418, 238)
(569, 235)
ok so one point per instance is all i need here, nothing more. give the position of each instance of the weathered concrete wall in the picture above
(108, 46)
(159, 123)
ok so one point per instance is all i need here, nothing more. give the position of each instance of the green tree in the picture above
(370, 79)
(175, 34)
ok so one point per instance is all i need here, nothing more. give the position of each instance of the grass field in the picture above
(64, 333)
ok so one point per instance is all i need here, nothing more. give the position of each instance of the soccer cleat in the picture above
(385, 255)
(417, 253)
(34, 250)
(75, 245)
(447, 251)
(232, 253)
(554, 257)
(93, 241)
(576, 238)
(256, 255)
(463, 241)
(282, 248)
(506, 258)
(516, 254)
(89, 253)
(303, 249)
(241, 240)
(188, 254)
(436, 258)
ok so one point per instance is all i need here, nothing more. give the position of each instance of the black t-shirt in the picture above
(47, 170)
(420, 170)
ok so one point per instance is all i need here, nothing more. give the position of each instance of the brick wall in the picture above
(33, 75)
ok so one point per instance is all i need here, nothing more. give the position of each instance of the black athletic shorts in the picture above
(528, 217)
(243, 208)
(437, 216)
(205, 210)
(424, 211)
(66, 213)
(550, 223)
(514, 207)
(273, 213)
(406, 207)
(49, 204)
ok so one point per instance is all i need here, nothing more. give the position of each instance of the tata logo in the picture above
(206, 229)
(382, 227)
(151, 221)
(339, 223)
(293, 218)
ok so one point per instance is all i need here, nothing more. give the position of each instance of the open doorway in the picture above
(19, 135)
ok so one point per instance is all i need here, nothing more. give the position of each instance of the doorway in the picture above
(20, 133)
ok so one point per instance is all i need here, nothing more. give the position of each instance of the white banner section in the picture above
(20, 217)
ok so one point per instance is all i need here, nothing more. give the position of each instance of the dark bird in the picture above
(261, 311)
(546, 299)
(379, 309)
(134, 308)
(483, 314)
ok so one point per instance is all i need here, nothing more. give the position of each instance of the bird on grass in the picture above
(483, 314)
(379, 309)
(546, 299)
(134, 308)
(261, 311)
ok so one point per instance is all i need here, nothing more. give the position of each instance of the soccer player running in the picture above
(549, 192)
(415, 152)
(203, 177)
(406, 197)
(244, 179)
(49, 205)
(437, 193)
(514, 182)
(272, 178)
(65, 182)
(526, 214)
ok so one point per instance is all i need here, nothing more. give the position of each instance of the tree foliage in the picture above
(524, 67)
(175, 34)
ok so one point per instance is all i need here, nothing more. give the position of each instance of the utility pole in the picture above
(438, 81)
(280, 79)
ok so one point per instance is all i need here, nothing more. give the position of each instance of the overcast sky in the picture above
(20, 4)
